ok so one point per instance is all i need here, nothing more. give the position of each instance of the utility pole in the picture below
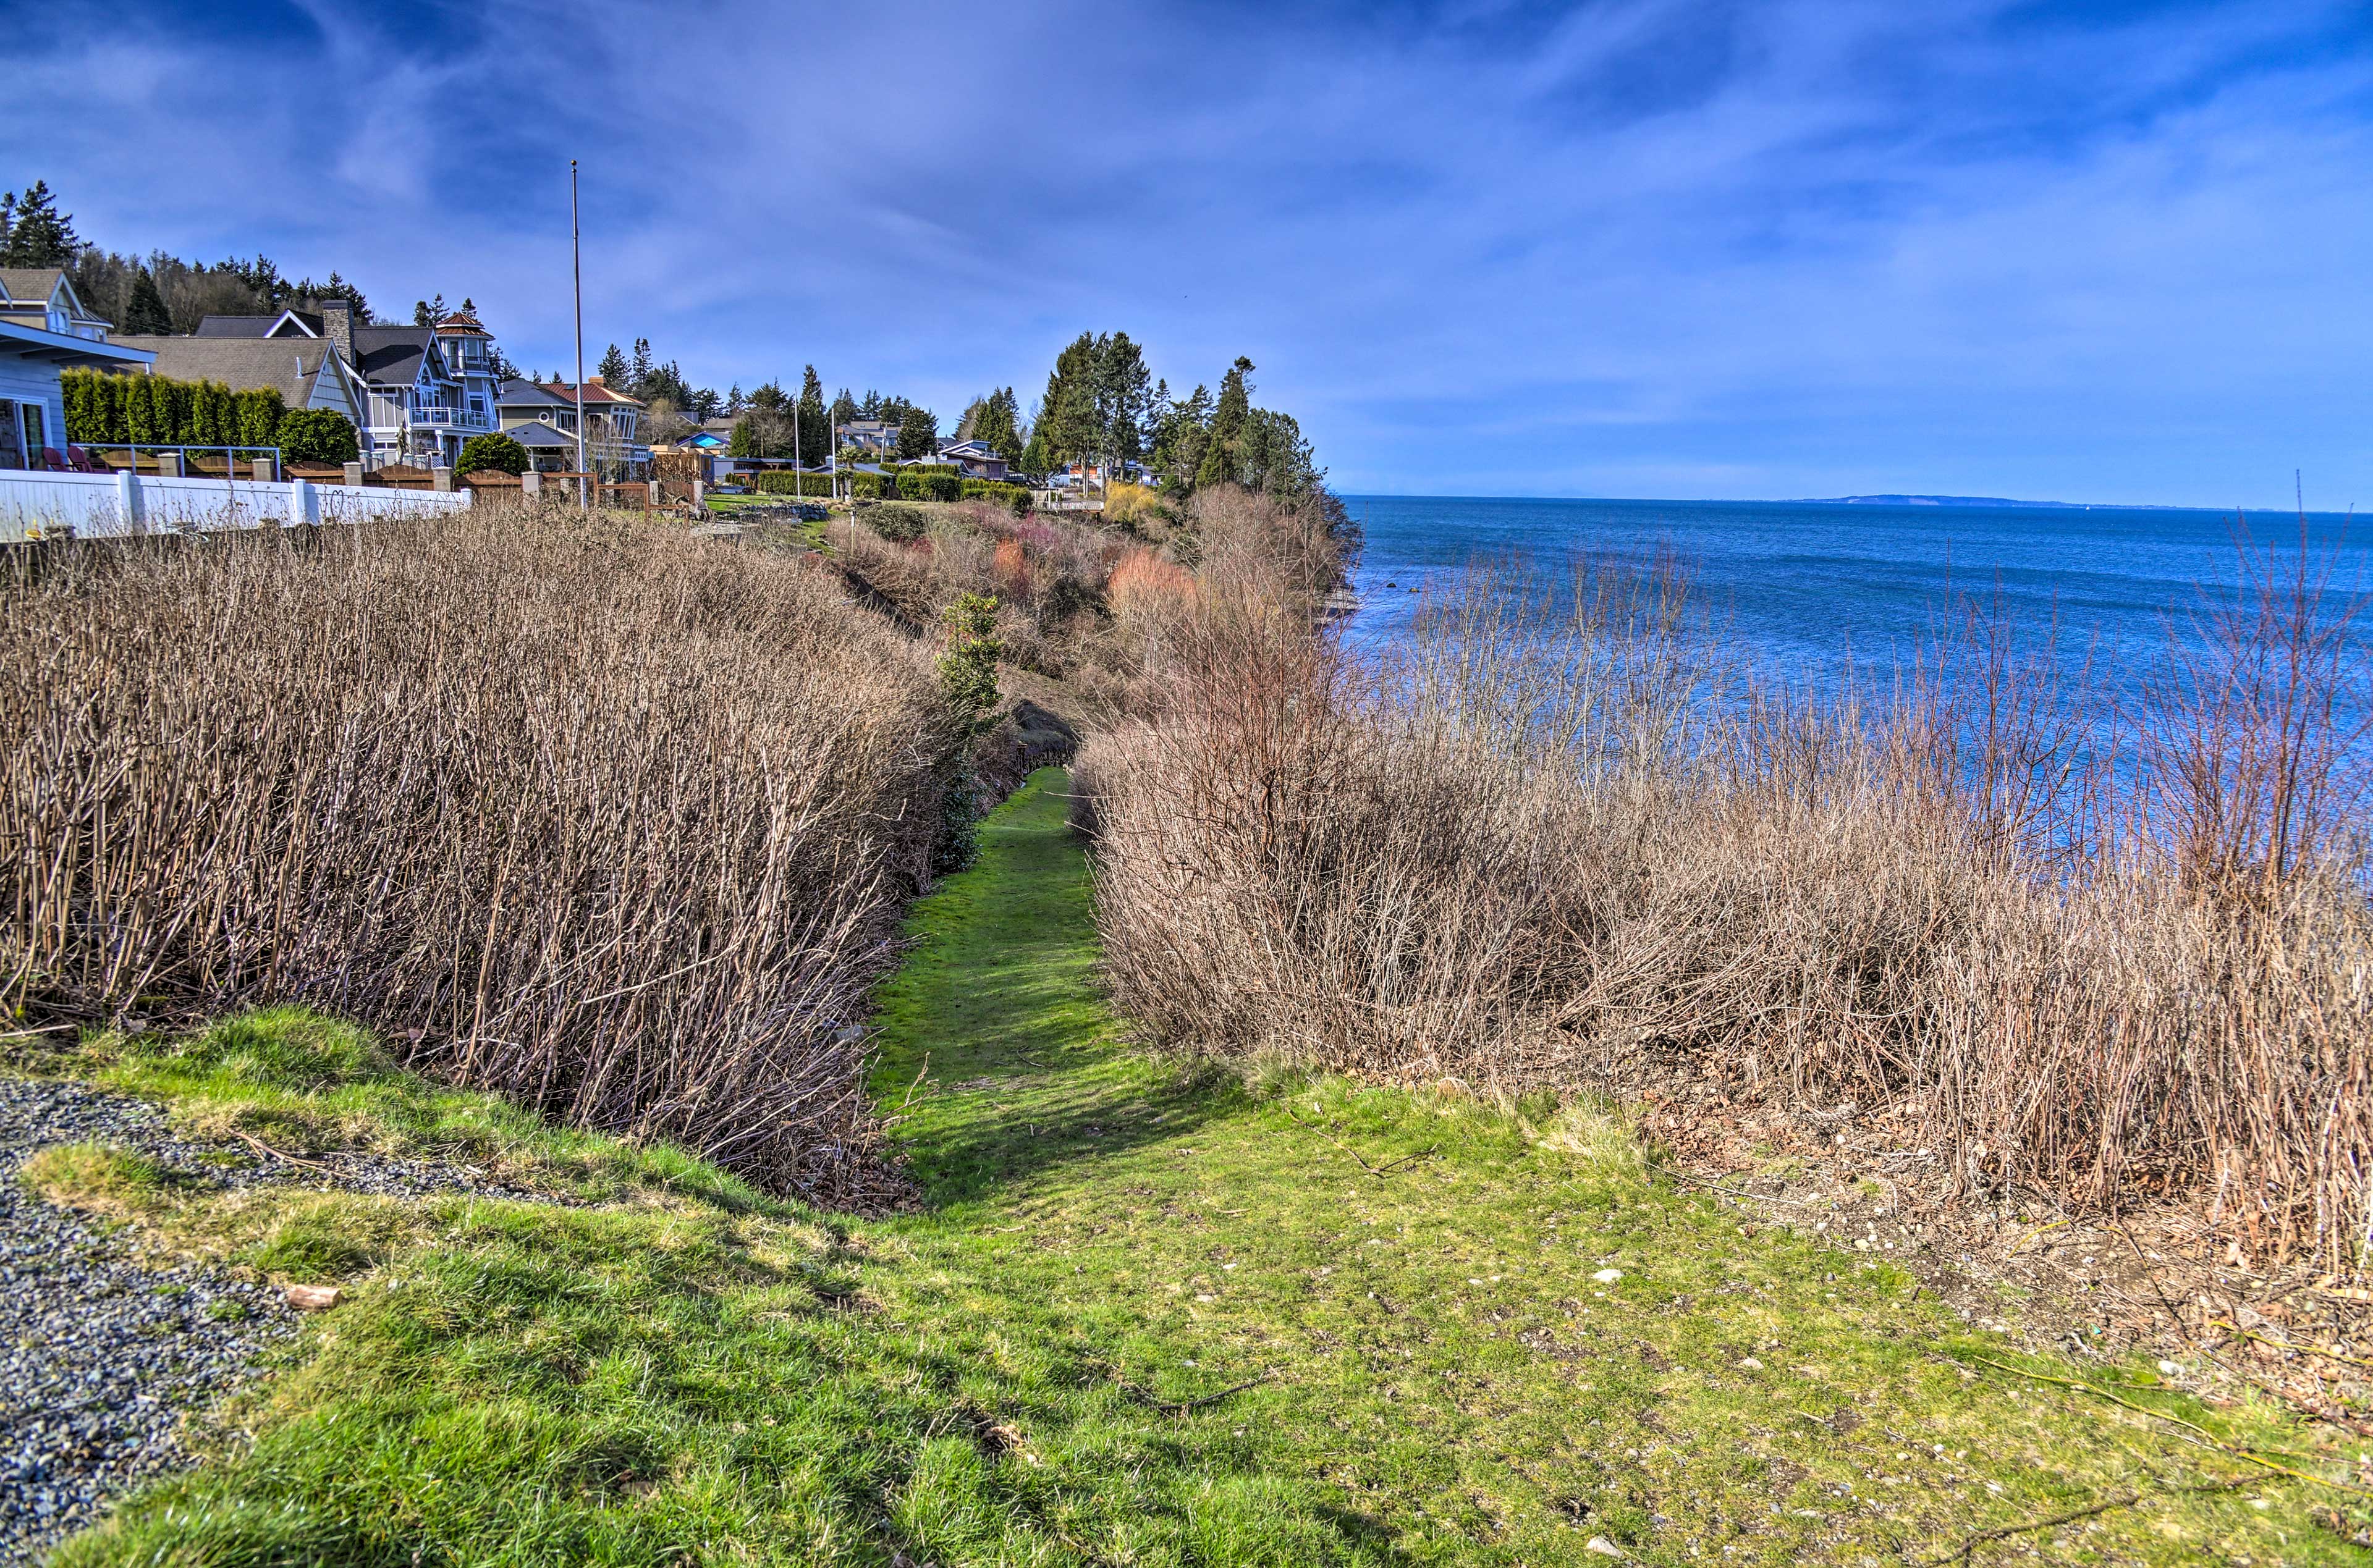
(576, 278)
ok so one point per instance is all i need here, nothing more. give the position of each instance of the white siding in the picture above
(27, 380)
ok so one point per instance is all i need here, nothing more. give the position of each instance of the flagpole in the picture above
(576, 278)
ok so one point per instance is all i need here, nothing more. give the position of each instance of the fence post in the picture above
(169, 465)
(531, 485)
(354, 473)
(654, 488)
(304, 502)
(127, 499)
(265, 471)
(441, 479)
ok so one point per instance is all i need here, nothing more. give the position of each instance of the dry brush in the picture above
(614, 822)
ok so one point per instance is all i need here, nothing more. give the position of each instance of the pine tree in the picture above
(998, 425)
(814, 427)
(919, 434)
(143, 313)
(37, 233)
(639, 371)
(427, 312)
(1223, 452)
(613, 369)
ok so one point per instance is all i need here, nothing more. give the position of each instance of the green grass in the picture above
(680, 1369)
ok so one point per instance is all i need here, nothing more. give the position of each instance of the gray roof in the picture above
(536, 434)
(527, 394)
(390, 356)
(255, 326)
(241, 364)
(30, 283)
(236, 326)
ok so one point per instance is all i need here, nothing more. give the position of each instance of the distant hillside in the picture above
(1941, 501)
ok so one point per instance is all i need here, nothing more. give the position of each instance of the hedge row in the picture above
(1014, 495)
(918, 486)
(158, 411)
(785, 481)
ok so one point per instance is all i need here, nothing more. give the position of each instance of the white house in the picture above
(43, 331)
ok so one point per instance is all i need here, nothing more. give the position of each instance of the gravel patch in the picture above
(102, 1351)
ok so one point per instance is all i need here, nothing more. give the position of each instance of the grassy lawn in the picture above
(1142, 1317)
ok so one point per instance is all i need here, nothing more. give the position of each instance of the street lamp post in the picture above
(576, 279)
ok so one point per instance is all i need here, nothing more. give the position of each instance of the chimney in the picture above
(338, 326)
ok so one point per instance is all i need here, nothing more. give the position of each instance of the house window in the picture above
(477, 410)
(35, 436)
(12, 450)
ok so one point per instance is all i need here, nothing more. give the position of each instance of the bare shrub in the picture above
(616, 822)
(1589, 854)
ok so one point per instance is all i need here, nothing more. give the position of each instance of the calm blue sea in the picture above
(1810, 590)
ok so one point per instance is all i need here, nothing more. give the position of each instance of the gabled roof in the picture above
(462, 324)
(293, 365)
(30, 284)
(594, 393)
(391, 356)
(279, 324)
(536, 435)
(528, 394)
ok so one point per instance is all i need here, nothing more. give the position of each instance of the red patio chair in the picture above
(83, 462)
(53, 459)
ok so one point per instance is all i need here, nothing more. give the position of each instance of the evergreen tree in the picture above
(143, 313)
(639, 370)
(1124, 399)
(38, 235)
(1223, 451)
(871, 407)
(613, 369)
(425, 312)
(998, 424)
(734, 402)
(1179, 437)
(1067, 419)
(919, 434)
(815, 443)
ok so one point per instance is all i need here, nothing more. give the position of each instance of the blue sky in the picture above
(1645, 248)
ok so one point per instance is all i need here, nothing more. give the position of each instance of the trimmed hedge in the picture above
(787, 481)
(157, 410)
(868, 486)
(106, 410)
(318, 435)
(915, 485)
(1014, 495)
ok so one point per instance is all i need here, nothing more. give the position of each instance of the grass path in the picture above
(1143, 1319)
(1449, 1375)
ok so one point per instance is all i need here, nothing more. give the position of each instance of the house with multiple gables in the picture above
(542, 416)
(44, 329)
(426, 389)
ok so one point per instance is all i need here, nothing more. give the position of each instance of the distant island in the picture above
(1955, 501)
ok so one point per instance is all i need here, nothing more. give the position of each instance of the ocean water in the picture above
(1811, 592)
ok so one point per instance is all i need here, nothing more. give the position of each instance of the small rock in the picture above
(313, 1298)
(1607, 1276)
(1748, 1363)
(1602, 1546)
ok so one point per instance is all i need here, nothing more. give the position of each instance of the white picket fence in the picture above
(120, 506)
